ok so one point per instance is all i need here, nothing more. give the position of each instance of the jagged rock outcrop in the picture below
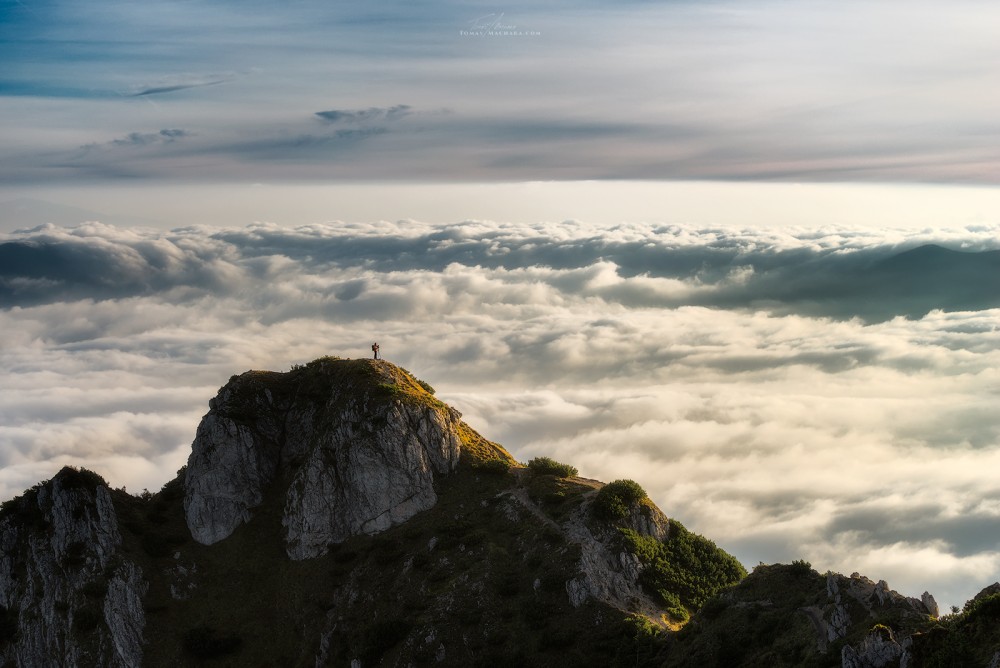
(77, 601)
(355, 455)
(879, 649)
(930, 604)
(647, 520)
(988, 591)
(607, 572)
(359, 479)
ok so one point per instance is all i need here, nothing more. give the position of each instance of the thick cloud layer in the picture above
(821, 394)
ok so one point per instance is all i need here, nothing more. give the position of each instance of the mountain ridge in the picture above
(338, 514)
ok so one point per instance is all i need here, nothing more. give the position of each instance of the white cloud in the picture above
(778, 434)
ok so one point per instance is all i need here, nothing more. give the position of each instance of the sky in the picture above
(745, 253)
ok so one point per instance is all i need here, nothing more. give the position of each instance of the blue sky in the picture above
(111, 92)
(678, 242)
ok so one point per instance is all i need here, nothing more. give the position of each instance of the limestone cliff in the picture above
(352, 455)
(76, 600)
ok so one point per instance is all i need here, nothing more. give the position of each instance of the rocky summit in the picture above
(338, 514)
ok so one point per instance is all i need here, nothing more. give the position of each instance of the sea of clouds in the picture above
(827, 394)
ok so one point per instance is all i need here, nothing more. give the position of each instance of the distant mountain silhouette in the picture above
(933, 277)
(910, 283)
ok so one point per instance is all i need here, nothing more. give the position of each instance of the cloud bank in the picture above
(823, 394)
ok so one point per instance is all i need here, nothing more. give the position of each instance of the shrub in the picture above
(426, 386)
(493, 466)
(25, 508)
(389, 390)
(678, 613)
(79, 478)
(640, 643)
(986, 608)
(714, 607)
(686, 566)
(547, 466)
(616, 498)
(801, 567)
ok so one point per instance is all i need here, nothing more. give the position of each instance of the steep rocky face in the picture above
(354, 447)
(609, 572)
(76, 600)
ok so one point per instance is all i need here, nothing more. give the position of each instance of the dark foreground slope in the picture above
(340, 515)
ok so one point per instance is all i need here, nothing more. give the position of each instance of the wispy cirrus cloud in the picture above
(172, 88)
(165, 136)
(727, 91)
(386, 114)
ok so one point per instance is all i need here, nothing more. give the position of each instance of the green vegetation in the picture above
(986, 609)
(883, 631)
(25, 509)
(426, 386)
(71, 477)
(642, 643)
(758, 622)
(800, 567)
(493, 466)
(477, 450)
(547, 466)
(966, 638)
(686, 568)
(616, 498)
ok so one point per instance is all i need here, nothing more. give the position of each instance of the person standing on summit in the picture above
(375, 350)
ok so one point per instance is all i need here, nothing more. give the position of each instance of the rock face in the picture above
(932, 607)
(878, 650)
(363, 479)
(354, 455)
(607, 572)
(76, 600)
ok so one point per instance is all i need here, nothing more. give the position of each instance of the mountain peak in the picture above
(350, 446)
